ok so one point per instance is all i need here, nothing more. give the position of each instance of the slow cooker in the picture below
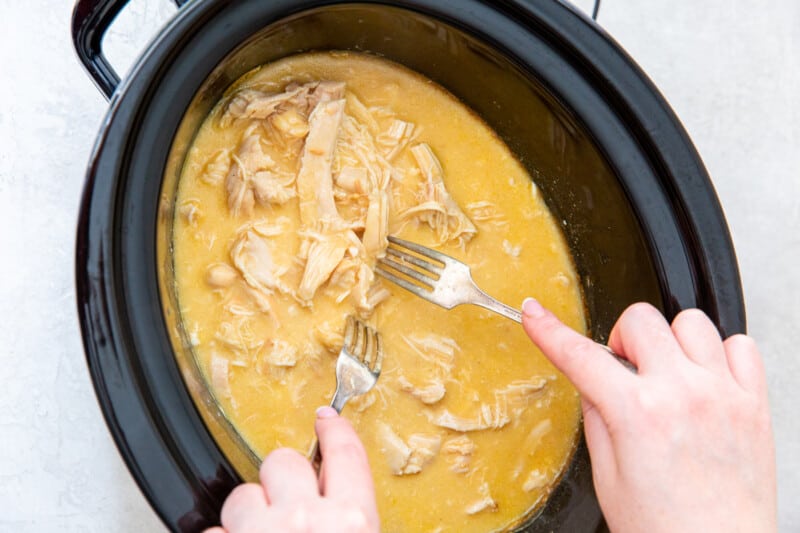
(615, 165)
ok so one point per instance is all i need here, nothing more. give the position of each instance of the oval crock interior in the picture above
(579, 186)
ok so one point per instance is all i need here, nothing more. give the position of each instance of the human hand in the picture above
(686, 445)
(290, 498)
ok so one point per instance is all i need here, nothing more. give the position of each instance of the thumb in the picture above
(593, 371)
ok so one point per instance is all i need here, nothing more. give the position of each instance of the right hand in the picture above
(684, 445)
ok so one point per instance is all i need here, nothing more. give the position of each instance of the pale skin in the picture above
(685, 445)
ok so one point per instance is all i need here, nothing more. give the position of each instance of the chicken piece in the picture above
(269, 189)
(377, 225)
(519, 393)
(221, 275)
(323, 256)
(396, 451)
(281, 354)
(237, 335)
(438, 209)
(484, 211)
(331, 338)
(511, 250)
(253, 259)
(249, 160)
(458, 452)
(435, 349)
(216, 168)
(359, 111)
(429, 394)
(423, 449)
(352, 179)
(536, 480)
(363, 402)
(488, 417)
(509, 403)
(290, 123)
(314, 181)
(396, 138)
(219, 375)
(253, 104)
(410, 458)
(190, 211)
(357, 148)
(324, 91)
(485, 503)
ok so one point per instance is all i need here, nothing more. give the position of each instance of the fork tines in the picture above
(364, 344)
(410, 265)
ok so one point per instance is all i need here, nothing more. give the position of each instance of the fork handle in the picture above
(484, 300)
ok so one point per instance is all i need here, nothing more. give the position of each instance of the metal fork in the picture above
(444, 281)
(357, 369)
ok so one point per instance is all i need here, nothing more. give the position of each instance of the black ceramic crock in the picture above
(611, 159)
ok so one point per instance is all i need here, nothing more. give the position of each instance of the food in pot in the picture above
(286, 198)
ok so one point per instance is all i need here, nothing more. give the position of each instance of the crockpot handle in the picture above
(90, 21)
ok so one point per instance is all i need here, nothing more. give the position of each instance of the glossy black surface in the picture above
(611, 160)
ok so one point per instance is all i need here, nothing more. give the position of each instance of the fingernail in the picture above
(531, 308)
(326, 412)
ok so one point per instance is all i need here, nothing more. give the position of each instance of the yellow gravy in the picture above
(469, 427)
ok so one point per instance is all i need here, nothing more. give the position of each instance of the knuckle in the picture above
(689, 317)
(742, 342)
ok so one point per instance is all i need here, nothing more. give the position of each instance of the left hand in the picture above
(290, 498)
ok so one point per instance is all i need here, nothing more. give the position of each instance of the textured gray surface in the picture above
(730, 69)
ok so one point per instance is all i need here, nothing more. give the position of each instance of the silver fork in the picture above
(444, 281)
(357, 369)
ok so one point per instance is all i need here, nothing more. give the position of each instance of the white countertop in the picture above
(729, 68)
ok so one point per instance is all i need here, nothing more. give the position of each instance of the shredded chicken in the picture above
(536, 480)
(314, 181)
(484, 211)
(485, 503)
(255, 104)
(219, 375)
(511, 250)
(324, 255)
(509, 403)
(354, 180)
(435, 349)
(280, 353)
(377, 224)
(429, 394)
(487, 417)
(251, 178)
(437, 207)
(407, 458)
(190, 211)
(330, 337)
(458, 453)
(396, 138)
(217, 168)
(221, 275)
(253, 259)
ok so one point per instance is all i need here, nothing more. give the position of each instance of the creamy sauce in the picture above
(469, 426)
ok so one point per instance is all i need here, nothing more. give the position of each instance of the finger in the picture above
(700, 340)
(287, 477)
(598, 440)
(594, 372)
(345, 470)
(244, 509)
(644, 337)
(745, 363)
(214, 530)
